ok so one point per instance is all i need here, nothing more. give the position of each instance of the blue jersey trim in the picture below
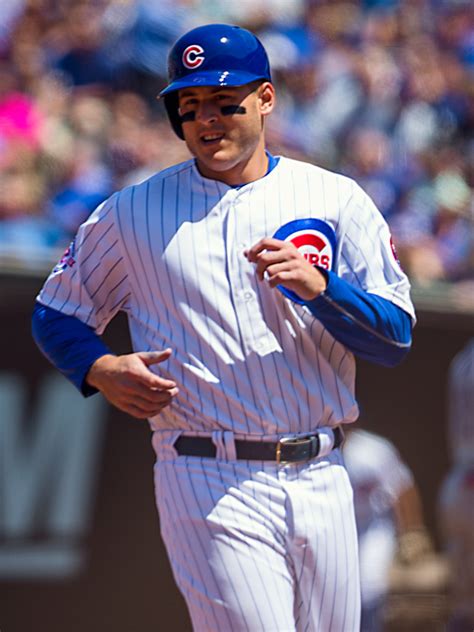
(370, 326)
(272, 163)
(68, 343)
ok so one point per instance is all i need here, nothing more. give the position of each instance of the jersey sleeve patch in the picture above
(394, 252)
(315, 239)
(68, 258)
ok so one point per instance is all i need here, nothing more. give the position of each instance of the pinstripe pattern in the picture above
(252, 546)
(169, 252)
(289, 529)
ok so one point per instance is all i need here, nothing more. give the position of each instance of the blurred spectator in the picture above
(370, 158)
(456, 503)
(434, 231)
(141, 34)
(388, 515)
(11, 12)
(20, 119)
(84, 63)
(24, 230)
(88, 182)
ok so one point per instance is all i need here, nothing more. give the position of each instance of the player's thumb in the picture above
(154, 357)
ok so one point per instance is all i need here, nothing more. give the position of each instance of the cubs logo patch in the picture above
(67, 260)
(315, 240)
(192, 56)
(394, 251)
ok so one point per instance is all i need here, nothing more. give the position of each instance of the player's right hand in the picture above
(127, 382)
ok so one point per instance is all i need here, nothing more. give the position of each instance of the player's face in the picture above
(223, 129)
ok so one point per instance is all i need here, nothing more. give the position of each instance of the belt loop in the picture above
(326, 441)
(229, 444)
(218, 441)
(163, 443)
(225, 445)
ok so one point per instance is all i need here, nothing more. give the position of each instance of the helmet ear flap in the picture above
(171, 105)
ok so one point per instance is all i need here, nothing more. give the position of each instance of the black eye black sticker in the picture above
(187, 116)
(227, 110)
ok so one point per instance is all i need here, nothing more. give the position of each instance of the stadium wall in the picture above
(80, 547)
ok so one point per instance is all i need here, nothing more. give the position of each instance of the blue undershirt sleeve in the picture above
(70, 345)
(370, 326)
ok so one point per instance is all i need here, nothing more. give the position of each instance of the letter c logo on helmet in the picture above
(192, 56)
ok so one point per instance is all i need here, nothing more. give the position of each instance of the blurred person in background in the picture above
(388, 515)
(23, 187)
(139, 141)
(20, 118)
(370, 157)
(319, 90)
(456, 502)
(84, 62)
(24, 231)
(141, 33)
(434, 231)
(292, 53)
(87, 182)
(256, 15)
(11, 12)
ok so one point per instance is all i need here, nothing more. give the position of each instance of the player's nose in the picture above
(207, 112)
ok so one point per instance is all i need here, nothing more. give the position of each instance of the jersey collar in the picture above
(272, 163)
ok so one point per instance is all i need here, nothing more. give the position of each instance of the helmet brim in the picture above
(218, 78)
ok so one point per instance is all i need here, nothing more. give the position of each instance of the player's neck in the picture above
(248, 170)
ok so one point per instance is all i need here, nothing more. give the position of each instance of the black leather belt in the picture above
(287, 450)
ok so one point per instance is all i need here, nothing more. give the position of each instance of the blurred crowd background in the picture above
(381, 90)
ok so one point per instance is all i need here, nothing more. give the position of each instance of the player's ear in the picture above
(266, 97)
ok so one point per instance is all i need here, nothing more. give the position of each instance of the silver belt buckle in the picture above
(312, 439)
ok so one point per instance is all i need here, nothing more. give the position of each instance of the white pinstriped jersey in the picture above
(169, 252)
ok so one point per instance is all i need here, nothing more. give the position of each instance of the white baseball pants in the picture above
(258, 546)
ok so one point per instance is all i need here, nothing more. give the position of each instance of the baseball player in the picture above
(249, 282)
(457, 493)
(388, 514)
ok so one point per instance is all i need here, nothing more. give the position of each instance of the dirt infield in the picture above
(419, 597)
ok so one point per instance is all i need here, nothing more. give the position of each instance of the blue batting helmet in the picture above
(213, 55)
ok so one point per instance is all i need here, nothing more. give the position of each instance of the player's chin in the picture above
(219, 161)
(217, 152)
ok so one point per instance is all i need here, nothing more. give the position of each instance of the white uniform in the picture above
(249, 363)
(378, 477)
(457, 493)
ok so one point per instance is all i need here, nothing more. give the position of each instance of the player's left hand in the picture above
(280, 263)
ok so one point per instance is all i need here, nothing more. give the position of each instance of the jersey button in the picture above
(248, 296)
